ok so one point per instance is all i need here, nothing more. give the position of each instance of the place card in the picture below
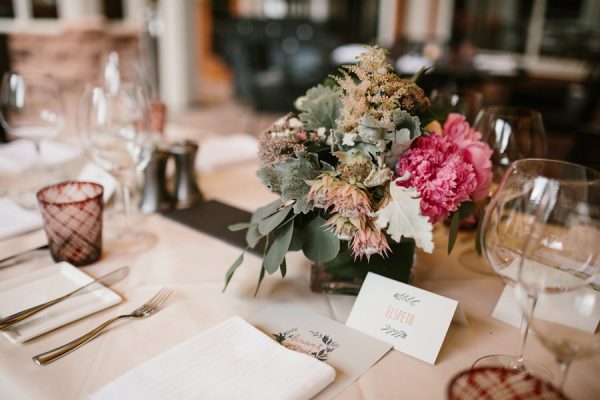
(350, 352)
(93, 173)
(413, 320)
(550, 309)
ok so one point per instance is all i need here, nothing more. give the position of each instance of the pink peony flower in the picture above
(475, 152)
(437, 168)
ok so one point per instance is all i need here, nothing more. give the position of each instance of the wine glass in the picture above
(513, 134)
(113, 125)
(467, 103)
(561, 260)
(505, 230)
(31, 108)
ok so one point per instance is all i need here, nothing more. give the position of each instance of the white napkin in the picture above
(19, 155)
(15, 220)
(232, 360)
(221, 151)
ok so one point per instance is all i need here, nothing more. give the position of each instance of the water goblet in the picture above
(504, 233)
(559, 265)
(114, 132)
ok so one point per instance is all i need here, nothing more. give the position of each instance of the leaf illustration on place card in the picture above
(281, 337)
(388, 330)
(412, 300)
(319, 349)
(322, 354)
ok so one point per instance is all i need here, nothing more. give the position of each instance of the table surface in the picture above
(193, 265)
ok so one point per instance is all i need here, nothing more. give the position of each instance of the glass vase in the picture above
(345, 275)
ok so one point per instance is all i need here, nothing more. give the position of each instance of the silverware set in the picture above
(149, 308)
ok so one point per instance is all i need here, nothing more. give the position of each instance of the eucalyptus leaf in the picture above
(297, 240)
(453, 231)
(264, 212)
(238, 227)
(278, 249)
(319, 245)
(267, 225)
(466, 209)
(260, 279)
(253, 236)
(232, 269)
(283, 268)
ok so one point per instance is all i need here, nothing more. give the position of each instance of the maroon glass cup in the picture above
(72, 214)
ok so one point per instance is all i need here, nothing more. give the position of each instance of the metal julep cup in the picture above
(72, 215)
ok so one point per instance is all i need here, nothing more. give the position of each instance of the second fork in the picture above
(145, 310)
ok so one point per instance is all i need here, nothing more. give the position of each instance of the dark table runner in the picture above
(213, 217)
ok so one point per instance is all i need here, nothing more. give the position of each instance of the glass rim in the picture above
(40, 193)
(590, 171)
(510, 111)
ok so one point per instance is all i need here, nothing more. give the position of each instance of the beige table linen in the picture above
(193, 265)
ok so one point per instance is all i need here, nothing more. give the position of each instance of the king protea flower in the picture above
(369, 240)
(350, 201)
(344, 228)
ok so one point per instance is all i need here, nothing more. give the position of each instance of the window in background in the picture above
(6, 9)
(571, 29)
(494, 24)
(44, 9)
(113, 9)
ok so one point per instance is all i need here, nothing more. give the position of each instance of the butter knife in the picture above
(106, 280)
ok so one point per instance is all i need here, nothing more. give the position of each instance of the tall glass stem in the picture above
(519, 361)
(123, 197)
(563, 367)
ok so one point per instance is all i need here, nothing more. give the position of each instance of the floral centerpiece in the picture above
(363, 171)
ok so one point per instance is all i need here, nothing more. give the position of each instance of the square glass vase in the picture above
(345, 275)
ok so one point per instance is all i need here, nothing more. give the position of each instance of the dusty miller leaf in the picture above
(320, 107)
(402, 217)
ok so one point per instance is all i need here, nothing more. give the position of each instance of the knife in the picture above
(104, 281)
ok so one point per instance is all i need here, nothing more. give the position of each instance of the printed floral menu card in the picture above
(347, 350)
(413, 320)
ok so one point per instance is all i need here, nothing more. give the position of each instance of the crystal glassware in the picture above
(504, 234)
(465, 102)
(114, 131)
(31, 108)
(513, 133)
(559, 266)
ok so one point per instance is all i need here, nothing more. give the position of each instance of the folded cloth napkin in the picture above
(232, 360)
(16, 220)
(19, 155)
(221, 151)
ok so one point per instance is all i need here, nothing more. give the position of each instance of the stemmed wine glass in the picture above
(31, 108)
(113, 125)
(467, 103)
(505, 231)
(561, 260)
(513, 134)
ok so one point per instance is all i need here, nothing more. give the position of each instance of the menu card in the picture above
(347, 350)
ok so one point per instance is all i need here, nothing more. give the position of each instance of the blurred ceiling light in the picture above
(275, 9)
(346, 54)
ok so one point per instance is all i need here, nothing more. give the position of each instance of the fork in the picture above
(145, 310)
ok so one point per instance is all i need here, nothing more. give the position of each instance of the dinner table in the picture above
(193, 265)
